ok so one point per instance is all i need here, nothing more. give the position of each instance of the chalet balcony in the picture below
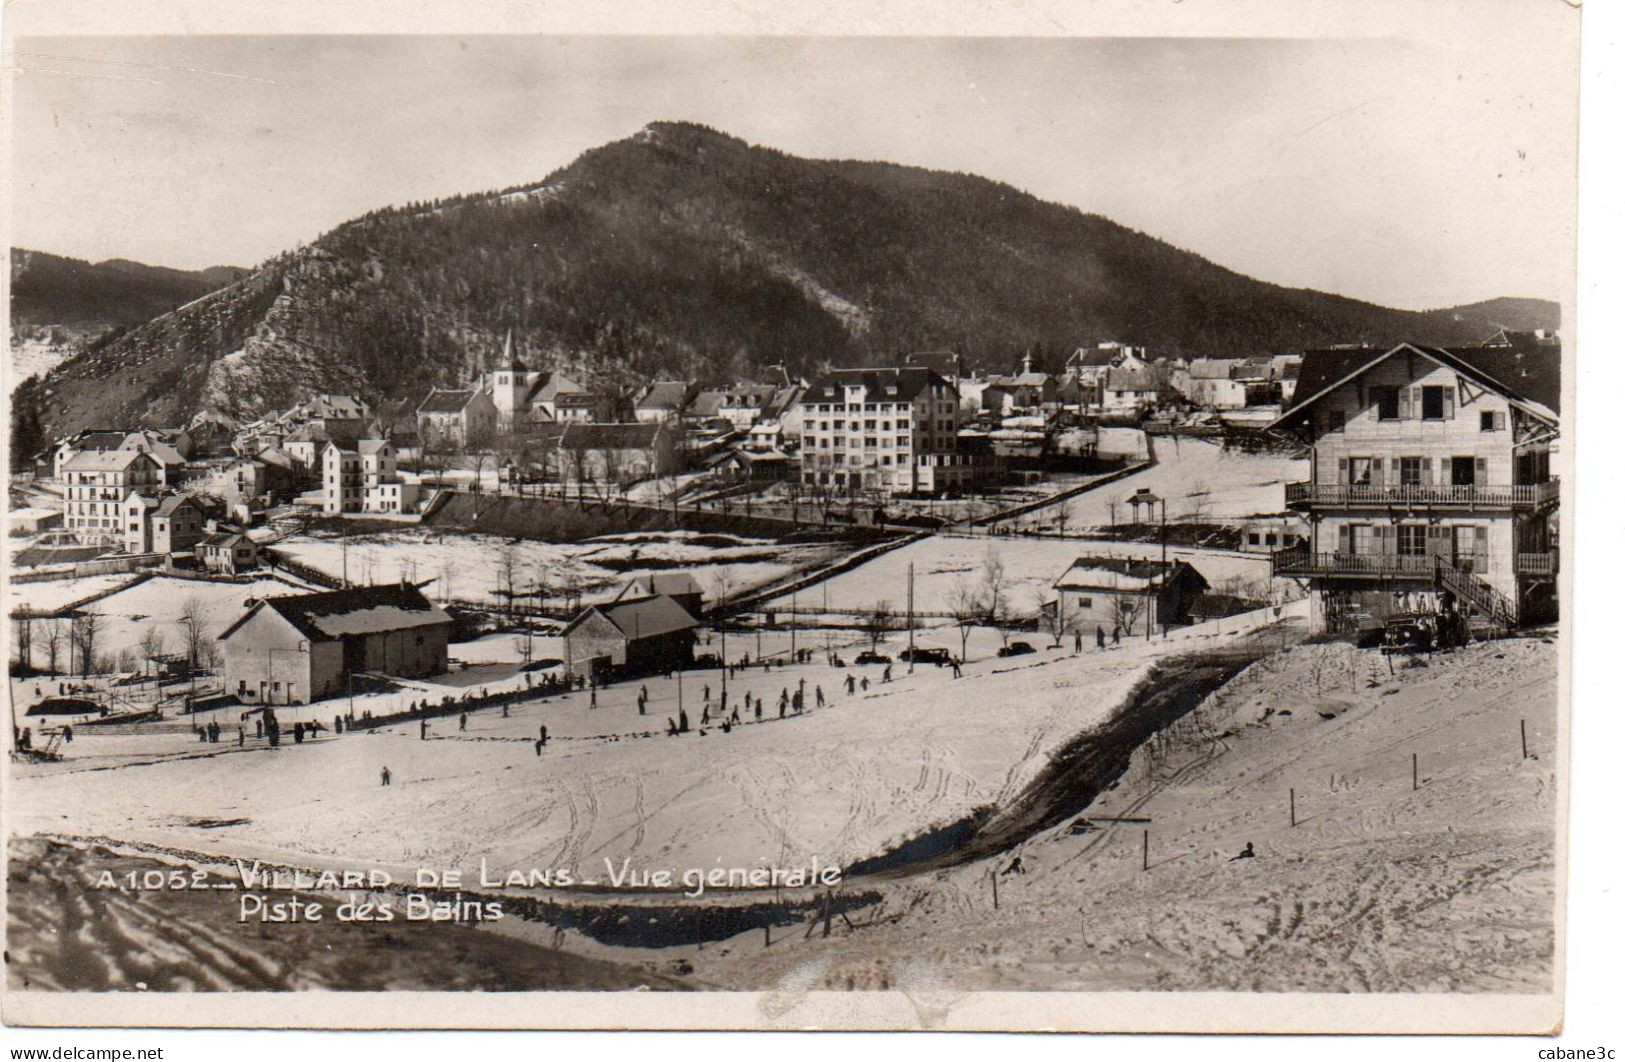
(1300, 563)
(1421, 496)
(1537, 564)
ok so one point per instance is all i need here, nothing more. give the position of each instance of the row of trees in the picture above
(70, 645)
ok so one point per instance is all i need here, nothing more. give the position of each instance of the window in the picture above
(1410, 471)
(1489, 420)
(1252, 538)
(1413, 540)
(1433, 403)
(1386, 399)
(1359, 471)
(1085, 602)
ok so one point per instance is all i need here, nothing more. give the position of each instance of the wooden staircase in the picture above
(1476, 595)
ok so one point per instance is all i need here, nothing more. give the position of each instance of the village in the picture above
(884, 602)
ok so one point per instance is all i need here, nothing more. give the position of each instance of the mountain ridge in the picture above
(684, 251)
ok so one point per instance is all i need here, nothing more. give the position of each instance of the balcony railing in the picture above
(1537, 563)
(1492, 496)
(1301, 563)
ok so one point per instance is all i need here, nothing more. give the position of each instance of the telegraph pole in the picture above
(911, 617)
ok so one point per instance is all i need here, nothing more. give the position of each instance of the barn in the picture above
(639, 636)
(303, 647)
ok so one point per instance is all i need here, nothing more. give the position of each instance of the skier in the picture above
(1246, 853)
(423, 730)
(462, 721)
(383, 776)
(542, 735)
(818, 694)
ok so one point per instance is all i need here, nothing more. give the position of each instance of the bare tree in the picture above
(1126, 611)
(993, 587)
(53, 640)
(877, 621)
(190, 624)
(84, 640)
(478, 446)
(23, 622)
(1063, 515)
(507, 576)
(1053, 617)
(446, 568)
(965, 603)
(152, 644)
(1111, 508)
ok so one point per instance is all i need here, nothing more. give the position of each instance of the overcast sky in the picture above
(1407, 173)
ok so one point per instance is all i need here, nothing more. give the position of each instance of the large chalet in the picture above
(1430, 482)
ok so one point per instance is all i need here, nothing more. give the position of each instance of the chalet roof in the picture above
(1529, 375)
(784, 399)
(335, 407)
(1123, 573)
(224, 539)
(105, 460)
(1092, 357)
(271, 455)
(669, 395)
(1212, 368)
(752, 395)
(168, 506)
(371, 446)
(609, 436)
(671, 584)
(445, 401)
(362, 610)
(1131, 380)
(161, 451)
(642, 617)
(98, 440)
(898, 385)
(707, 403)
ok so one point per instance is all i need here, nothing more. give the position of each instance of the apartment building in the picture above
(888, 430)
(363, 477)
(94, 486)
(1430, 486)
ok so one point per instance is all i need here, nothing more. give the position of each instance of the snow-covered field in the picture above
(1031, 566)
(126, 616)
(839, 783)
(1379, 887)
(1199, 480)
(52, 594)
(469, 567)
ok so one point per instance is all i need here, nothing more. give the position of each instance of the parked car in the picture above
(926, 655)
(1016, 649)
(868, 657)
(1408, 633)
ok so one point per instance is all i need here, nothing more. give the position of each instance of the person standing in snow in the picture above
(383, 776)
(1100, 637)
(818, 695)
